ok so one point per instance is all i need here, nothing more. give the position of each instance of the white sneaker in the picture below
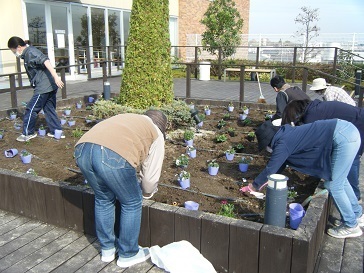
(343, 232)
(52, 135)
(140, 257)
(108, 255)
(23, 138)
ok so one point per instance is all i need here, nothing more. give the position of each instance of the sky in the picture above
(277, 17)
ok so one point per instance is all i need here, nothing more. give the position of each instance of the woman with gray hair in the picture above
(108, 156)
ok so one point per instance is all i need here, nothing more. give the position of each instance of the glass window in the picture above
(79, 23)
(60, 35)
(37, 26)
(126, 23)
(114, 28)
(98, 27)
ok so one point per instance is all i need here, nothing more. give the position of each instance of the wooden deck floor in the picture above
(32, 246)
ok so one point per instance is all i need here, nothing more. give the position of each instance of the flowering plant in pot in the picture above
(191, 105)
(12, 115)
(41, 130)
(251, 136)
(63, 120)
(25, 156)
(230, 153)
(226, 116)
(67, 111)
(231, 131)
(90, 118)
(182, 161)
(213, 167)
(221, 138)
(188, 137)
(227, 209)
(184, 179)
(239, 148)
(191, 151)
(17, 126)
(245, 110)
(221, 123)
(244, 163)
(231, 107)
(268, 115)
(247, 122)
(79, 105)
(207, 110)
(71, 122)
(202, 118)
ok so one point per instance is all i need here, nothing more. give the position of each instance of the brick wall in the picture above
(190, 14)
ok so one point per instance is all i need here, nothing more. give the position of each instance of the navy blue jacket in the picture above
(319, 110)
(306, 148)
(39, 76)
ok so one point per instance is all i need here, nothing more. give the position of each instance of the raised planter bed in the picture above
(231, 245)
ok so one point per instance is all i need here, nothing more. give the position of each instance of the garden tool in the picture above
(261, 98)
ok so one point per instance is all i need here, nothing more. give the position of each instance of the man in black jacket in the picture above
(286, 94)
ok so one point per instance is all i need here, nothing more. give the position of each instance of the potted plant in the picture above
(207, 110)
(25, 156)
(251, 136)
(227, 209)
(71, 122)
(17, 126)
(230, 153)
(91, 99)
(191, 151)
(231, 131)
(247, 122)
(191, 105)
(244, 163)
(226, 116)
(245, 110)
(221, 138)
(67, 111)
(79, 105)
(202, 118)
(231, 107)
(221, 123)
(188, 137)
(12, 115)
(268, 115)
(41, 130)
(213, 167)
(182, 161)
(243, 116)
(90, 118)
(184, 179)
(239, 148)
(63, 120)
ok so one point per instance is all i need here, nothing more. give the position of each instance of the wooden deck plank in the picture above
(7, 218)
(41, 255)
(80, 259)
(94, 265)
(47, 233)
(14, 222)
(63, 255)
(17, 232)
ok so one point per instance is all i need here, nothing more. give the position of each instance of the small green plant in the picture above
(188, 135)
(213, 163)
(227, 209)
(41, 127)
(239, 146)
(231, 104)
(207, 107)
(226, 116)
(246, 160)
(91, 118)
(221, 123)
(231, 150)
(24, 153)
(77, 133)
(202, 116)
(245, 108)
(231, 131)
(247, 121)
(184, 175)
(292, 193)
(32, 172)
(251, 134)
(182, 161)
(221, 138)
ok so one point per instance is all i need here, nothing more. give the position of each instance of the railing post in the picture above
(88, 64)
(304, 79)
(18, 69)
(188, 81)
(242, 79)
(63, 78)
(334, 67)
(118, 57)
(14, 101)
(104, 73)
(294, 64)
(196, 60)
(220, 63)
(257, 57)
(358, 88)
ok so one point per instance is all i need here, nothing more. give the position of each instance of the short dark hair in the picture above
(15, 41)
(277, 81)
(294, 112)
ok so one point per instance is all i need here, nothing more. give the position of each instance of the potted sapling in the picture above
(184, 179)
(71, 122)
(207, 110)
(213, 167)
(231, 107)
(244, 163)
(25, 156)
(41, 130)
(191, 151)
(231, 131)
(67, 111)
(79, 105)
(188, 137)
(12, 115)
(182, 161)
(251, 136)
(230, 153)
(221, 123)
(245, 110)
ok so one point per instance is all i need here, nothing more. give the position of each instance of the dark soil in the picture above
(54, 159)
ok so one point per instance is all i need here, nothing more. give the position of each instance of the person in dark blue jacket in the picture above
(324, 149)
(45, 81)
(304, 111)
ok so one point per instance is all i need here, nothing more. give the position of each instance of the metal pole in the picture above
(358, 89)
(242, 74)
(188, 81)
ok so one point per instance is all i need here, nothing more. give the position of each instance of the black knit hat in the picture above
(158, 119)
(265, 134)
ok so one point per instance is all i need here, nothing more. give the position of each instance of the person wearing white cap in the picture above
(331, 93)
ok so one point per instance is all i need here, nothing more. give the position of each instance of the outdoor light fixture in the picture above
(194, 115)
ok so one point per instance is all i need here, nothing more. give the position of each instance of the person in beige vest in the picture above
(109, 156)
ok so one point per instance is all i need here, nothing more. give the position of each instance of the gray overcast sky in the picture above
(277, 17)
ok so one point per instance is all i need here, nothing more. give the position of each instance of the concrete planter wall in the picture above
(230, 245)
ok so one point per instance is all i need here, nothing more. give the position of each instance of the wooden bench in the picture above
(272, 72)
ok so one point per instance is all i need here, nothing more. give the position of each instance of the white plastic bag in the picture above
(180, 257)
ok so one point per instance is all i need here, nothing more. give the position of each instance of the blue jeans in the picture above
(112, 177)
(353, 176)
(47, 102)
(346, 142)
